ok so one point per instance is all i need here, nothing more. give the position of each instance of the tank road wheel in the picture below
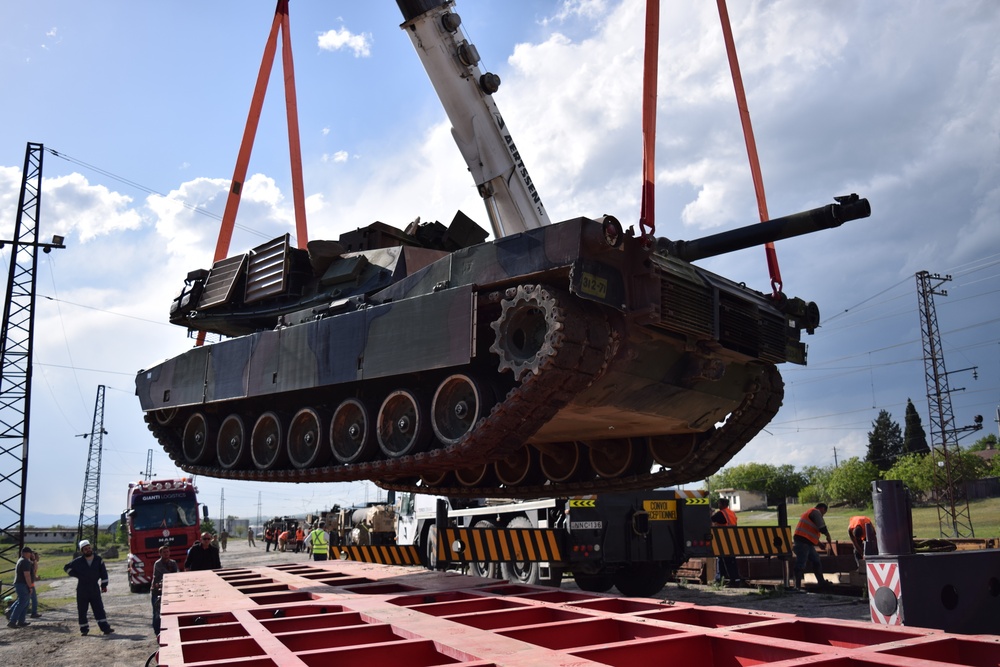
(232, 445)
(437, 478)
(672, 450)
(520, 468)
(594, 583)
(458, 404)
(164, 416)
(563, 462)
(641, 580)
(481, 475)
(266, 444)
(351, 437)
(528, 331)
(196, 438)
(402, 424)
(305, 440)
(612, 459)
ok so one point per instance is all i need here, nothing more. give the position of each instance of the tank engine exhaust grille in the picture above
(703, 311)
(686, 307)
(744, 327)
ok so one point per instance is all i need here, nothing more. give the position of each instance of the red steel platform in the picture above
(360, 614)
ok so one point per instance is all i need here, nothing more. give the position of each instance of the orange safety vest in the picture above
(859, 521)
(807, 528)
(299, 535)
(730, 516)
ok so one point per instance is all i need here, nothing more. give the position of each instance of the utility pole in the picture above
(148, 474)
(89, 506)
(258, 510)
(222, 511)
(950, 495)
(16, 336)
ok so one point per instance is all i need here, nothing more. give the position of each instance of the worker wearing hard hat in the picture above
(91, 580)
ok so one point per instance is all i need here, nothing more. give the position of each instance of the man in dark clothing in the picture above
(164, 565)
(203, 556)
(24, 584)
(91, 580)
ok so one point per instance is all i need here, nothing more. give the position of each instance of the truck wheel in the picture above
(641, 580)
(520, 572)
(138, 588)
(481, 568)
(594, 583)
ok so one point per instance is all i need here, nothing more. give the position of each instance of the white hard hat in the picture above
(84, 543)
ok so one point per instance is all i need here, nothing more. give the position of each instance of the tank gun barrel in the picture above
(850, 207)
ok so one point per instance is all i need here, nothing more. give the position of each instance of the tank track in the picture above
(577, 353)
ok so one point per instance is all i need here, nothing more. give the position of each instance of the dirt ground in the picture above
(55, 639)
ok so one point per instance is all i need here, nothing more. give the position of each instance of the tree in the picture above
(207, 526)
(852, 481)
(914, 437)
(776, 482)
(818, 478)
(916, 471)
(885, 441)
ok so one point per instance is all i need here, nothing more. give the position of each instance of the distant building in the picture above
(741, 500)
(49, 535)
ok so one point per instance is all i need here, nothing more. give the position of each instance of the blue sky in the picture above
(896, 101)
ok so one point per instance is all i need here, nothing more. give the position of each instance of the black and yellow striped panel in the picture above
(499, 545)
(385, 555)
(751, 541)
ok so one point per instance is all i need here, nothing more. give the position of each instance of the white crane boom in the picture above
(452, 63)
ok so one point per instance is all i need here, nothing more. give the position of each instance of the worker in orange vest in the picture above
(804, 543)
(857, 528)
(268, 538)
(726, 566)
(300, 536)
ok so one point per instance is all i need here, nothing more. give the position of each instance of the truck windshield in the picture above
(174, 513)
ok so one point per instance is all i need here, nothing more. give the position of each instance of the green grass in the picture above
(985, 515)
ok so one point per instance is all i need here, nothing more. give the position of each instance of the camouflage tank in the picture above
(556, 359)
(565, 359)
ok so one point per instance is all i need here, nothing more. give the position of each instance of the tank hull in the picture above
(553, 361)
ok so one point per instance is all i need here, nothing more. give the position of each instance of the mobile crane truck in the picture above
(631, 541)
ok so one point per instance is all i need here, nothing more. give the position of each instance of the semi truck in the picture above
(159, 513)
(630, 541)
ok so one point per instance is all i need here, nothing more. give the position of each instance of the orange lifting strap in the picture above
(250, 131)
(647, 217)
(758, 180)
(647, 224)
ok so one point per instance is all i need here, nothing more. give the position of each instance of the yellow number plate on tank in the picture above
(661, 510)
(594, 286)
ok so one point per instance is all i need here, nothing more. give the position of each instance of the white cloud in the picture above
(71, 205)
(341, 38)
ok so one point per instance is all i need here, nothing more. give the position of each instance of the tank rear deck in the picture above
(347, 613)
